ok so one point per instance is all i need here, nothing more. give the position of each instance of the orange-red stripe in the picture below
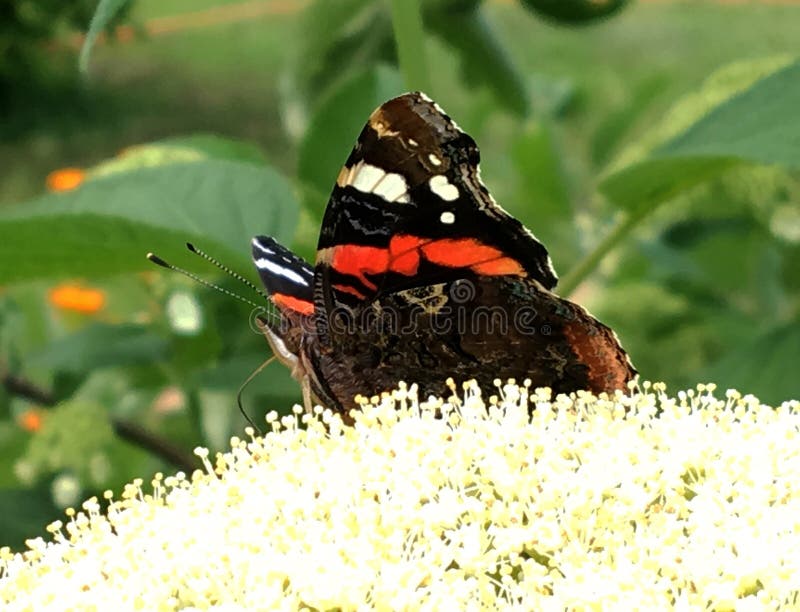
(459, 252)
(405, 252)
(499, 267)
(288, 302)
(350, 290)
(357, 260)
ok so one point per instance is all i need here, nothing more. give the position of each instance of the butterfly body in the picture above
(421, 276)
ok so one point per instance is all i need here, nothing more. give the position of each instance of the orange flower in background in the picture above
(65, 179)
(31, 420)
(85, 300)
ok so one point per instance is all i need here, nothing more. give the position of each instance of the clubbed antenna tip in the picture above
(158, 261)
(165, 264)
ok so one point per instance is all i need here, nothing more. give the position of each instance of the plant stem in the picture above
(157, 445)
(131, 432)
(409, 37)
(20, 387)
(586, 266)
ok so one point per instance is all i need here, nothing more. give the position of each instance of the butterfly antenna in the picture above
(226, 269)
(249, 379)
(164, 264)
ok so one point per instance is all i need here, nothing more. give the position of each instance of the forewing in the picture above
(409, 209)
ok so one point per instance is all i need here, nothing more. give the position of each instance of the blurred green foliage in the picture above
(26, 25)
(575, 11)
(27, 28)
(654, 152)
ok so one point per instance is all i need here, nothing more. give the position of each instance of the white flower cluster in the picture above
(640, 501)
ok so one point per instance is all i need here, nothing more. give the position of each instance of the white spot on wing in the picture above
(391, 187)
(270, 266)
(365, 177)
(371, 179)
(434, 160)
(447, 217)
(443, 188)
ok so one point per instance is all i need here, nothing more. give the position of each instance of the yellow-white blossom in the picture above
(639, 501)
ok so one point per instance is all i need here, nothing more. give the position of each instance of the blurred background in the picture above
(652, 145)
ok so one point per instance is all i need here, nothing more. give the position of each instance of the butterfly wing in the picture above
(409, 210)
(486, 328)
(288, 278)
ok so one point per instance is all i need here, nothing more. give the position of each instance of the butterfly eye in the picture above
(447, 218)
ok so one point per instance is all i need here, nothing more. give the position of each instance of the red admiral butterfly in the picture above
(421, 276)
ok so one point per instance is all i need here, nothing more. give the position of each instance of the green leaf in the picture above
(748, 112)
(106, 9)
(336, 124)
(13, 440)
(483, 55)
(345, 38)
(668, 337)
(327, 24)
(193, 148)
(614, 127)
(761, 124)
(653, 181)
(549, 96)
(108, 224)
(543, 190)
(325, 21)
(25, 514)
(409, 41)
(791, 269)
(229, 374)
(725, 253)
(766, 366)
(535, 156)
(217, 147)
(575, 12)
(101, 345)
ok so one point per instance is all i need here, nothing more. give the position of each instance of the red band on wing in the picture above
(350, 290)
(459, 252)
(288, 302)
(405, 252)
(357, 261)
(499, 267)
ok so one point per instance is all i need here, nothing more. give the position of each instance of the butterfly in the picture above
(421, 276)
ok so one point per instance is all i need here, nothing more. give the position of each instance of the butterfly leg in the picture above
(308, 400)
